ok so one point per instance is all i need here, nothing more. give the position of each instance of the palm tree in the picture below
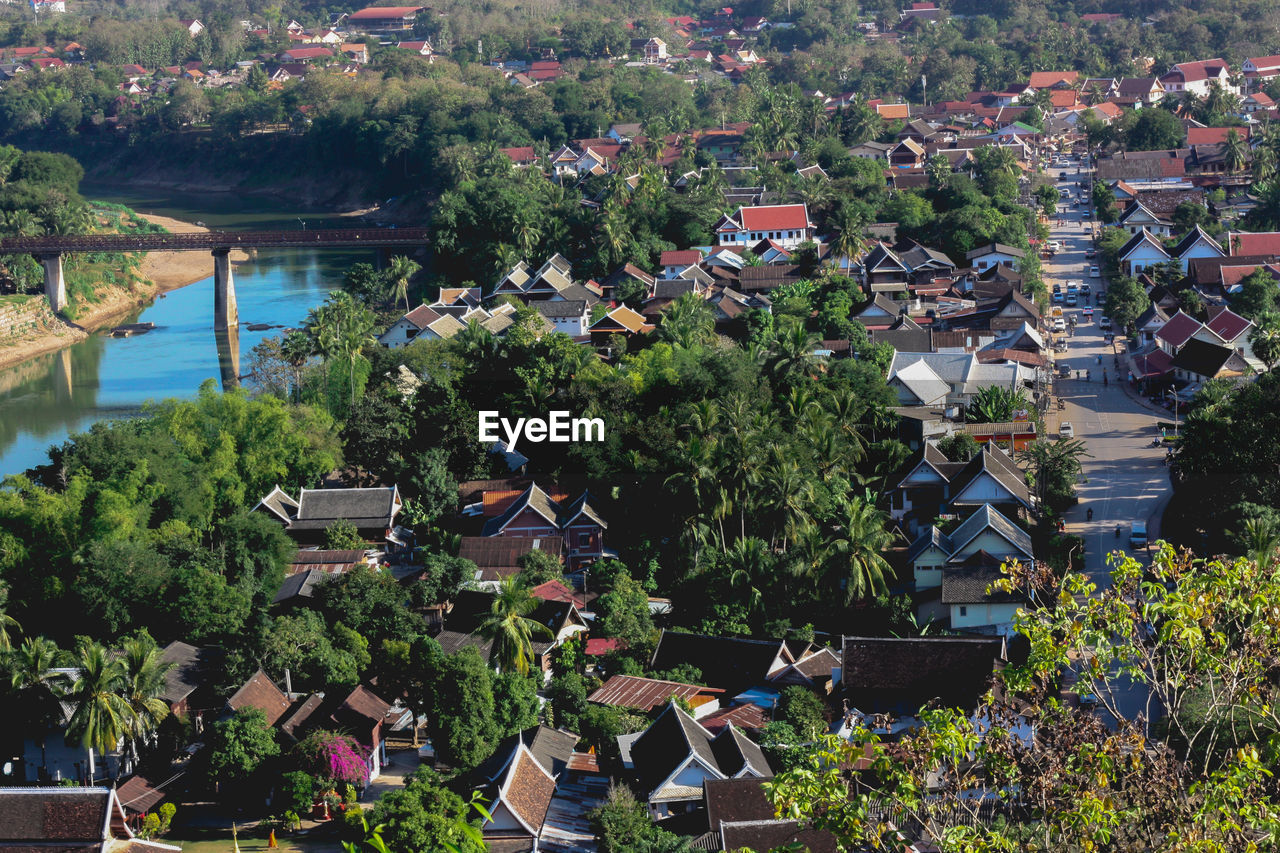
(297, 349)
(1235, 152)
(858, 565)
(1264, 338)
(399, 272)
(476, 341)
(790, 496)
(144, 681)
(1262, 538)
(37, 687)
(101, 715)
(6, 622)
(342, 328)
(850, 241)
(687, 322)
(792, 352)
(509, 627)
(749, 565)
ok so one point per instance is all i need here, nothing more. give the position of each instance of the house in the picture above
(674, 757)
(422, 323)
(371, 510)
(654, 50)
(620, 321)
(1196, 77)
(1259, 70)
(497, 557)
(536, 790)
(737, 664)
(949, 379)
(53, 757)
(1137, 217)
(1253, 243)
(1196, 244)
(1141, 252)
(193, 27)
(786, 224)
(62, 819)
(907, 154)
(384, 19)
(872, 150)
(571, 316)
(932, 485)
(974, 602)
(1053, 80)
(1175, 333)
(421, 48)
(992, 254)
(742, 816)
(534, 514)
(899, 676)
(260, 692)
(521, 156)
(986, 530)
(676, 261)
(645, 694)
(1151, 321)
(1140, 91)
(363, 714)
(306, 54)
(1198, 362)
(186, 681)
(560, 619)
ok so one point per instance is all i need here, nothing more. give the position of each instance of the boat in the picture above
(130, 329)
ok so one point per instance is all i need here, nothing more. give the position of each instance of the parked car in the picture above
(1090, 253)
(1059, 325)
(1094, 273)
(1066, 430)
(1104, 323)
(1057, 296)
(1138, 535)
(1060, 346)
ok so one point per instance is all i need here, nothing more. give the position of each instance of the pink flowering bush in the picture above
(333, 758)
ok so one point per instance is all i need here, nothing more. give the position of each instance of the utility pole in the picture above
(924, 91)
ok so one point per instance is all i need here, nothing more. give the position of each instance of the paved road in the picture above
(1127, 479)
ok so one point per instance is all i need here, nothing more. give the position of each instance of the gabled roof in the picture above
(736, 754)
(881, 302)
(59, 819)
(988, 517)
(733, 663)
(280, 505)
(1253, 243)
(527, 790)
(956, 670)
(1139, 239)
(931, 538)
(1180, 328)
(996, 464)
(671, 740)
(624, 318)
(923, 382)
(1136, 207)
(1228, 325)
(187, 673)
(880, 256)
(533, 498)
(1206, 359)
(261, 692)
(969, 582)
(930, 456)
(499, 556)
(994, 248)
(774, 217)
(1193, 236)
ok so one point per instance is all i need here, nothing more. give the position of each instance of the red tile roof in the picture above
(308, 52)
(743, 716)
(382, 13)
(680, 257)
(775, 217)
(1235, 273)
(1254, 243)
(261, 692)
(1228, 325)
(1213, 135)
(1047, 79)
(600, 646)
(556, 591)
(1179, 329)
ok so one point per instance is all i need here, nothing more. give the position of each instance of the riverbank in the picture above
(161, 272)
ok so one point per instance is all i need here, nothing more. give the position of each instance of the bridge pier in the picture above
(55, 283)
(225, 315)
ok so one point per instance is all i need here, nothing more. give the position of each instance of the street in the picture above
(1127, 479)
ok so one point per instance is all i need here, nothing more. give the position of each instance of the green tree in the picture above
(424, 816)
(1256, 296)
(1153, 130)
(398, 274)
(462, 724)
(515, 701)
(144, 682)
(959, 447)
(1235, 152)
(509, 628)
(801, 709)
(621, 825)
(342, 535)
(1055, 468)
(1264, 338)
(625, 613)
(858, 568)
(101, 717)
(687, 322)
(995, 404)
(538, 567)
(1125, 302)
(36, 688)
(239, 748)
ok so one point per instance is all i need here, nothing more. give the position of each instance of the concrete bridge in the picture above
(49, 251)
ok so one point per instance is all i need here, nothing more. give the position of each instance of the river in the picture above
(44, 400)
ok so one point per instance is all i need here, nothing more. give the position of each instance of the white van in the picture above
(1138, 535)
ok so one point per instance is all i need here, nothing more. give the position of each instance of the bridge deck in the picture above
(210, 240)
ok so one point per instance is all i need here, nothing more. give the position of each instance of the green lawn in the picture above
(196, 840)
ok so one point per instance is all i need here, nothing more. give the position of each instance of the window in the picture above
(584, 540)
(964, 611)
